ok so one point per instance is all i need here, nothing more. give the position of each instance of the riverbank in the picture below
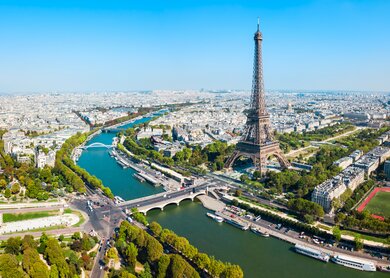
(246, 220)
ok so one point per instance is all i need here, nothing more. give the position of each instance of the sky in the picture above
(113, 45)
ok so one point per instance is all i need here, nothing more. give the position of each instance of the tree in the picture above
(33, 265)
(3, 183)
(180, 268)
(54, 272)
(163, 265)
(154, 249)
(146, 273)
(244, 177)
(155, 228)
(256, 174)
(76, 236)
(336, 233)
(358, 242)
(55, 256)
(308, 218)
(9, 267)
(13, 245)
(202, 260)
(131, 253)
(112, 253)
(29, 242)
(126, 274)
(7, 193)
(238, 193)
(87, 262)
(15, 188)
(232, 271)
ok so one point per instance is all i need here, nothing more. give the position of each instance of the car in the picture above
(101, 267)
(129, 219)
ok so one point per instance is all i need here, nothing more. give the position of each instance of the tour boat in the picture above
(311, 252)
(259, 232)
(355, 263)
(215, 217)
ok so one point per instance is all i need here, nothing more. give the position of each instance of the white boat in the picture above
(118, 199)
(138, 177)
(312, 252)
(355, 263)
(242, 226)
(259, 232)
(215, 217)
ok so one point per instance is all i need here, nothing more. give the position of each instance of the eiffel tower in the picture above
(258, 142)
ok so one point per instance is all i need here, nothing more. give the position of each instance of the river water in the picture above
(258, 257)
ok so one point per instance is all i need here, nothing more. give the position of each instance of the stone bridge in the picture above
(159, 201)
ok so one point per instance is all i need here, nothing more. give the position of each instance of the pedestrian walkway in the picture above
(211, 203)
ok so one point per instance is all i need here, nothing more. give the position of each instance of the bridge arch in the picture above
(97, 145)
(172, 202)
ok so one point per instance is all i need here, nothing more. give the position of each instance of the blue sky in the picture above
(134, 45)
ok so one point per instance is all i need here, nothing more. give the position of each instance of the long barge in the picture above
(312, 252)
(354, 263)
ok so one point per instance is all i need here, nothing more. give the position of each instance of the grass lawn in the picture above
(380, 204)
(12, 217)
(367, 237)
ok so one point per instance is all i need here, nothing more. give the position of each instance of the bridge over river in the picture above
(160, 200)
(97, 145)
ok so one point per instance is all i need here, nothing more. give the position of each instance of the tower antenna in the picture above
(258, 23)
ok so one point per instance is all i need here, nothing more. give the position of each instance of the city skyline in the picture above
(68, 46)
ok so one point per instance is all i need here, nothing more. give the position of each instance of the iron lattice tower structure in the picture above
(258, 142)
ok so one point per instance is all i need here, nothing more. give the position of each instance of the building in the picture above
(43, 159)
(387, 169)
(324, 193)
(149, 132)
(356, 155)
(352, 177)
(343, 162)
(327, 191)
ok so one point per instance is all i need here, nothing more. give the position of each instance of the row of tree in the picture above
(135, 244)
(74, 174)
(308, 210)
(272, 217)
(203, 261)
(363, 221)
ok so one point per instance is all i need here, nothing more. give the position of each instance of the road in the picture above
(23, 210)
(56, 232)
(103, 220)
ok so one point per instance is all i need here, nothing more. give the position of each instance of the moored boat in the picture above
(215, 217)
(259, 232)
(138, 177)
(384, 268)
(354, 263)
(243, 227)
(312, 252)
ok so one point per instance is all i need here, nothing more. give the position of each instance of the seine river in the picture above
(258, 257)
